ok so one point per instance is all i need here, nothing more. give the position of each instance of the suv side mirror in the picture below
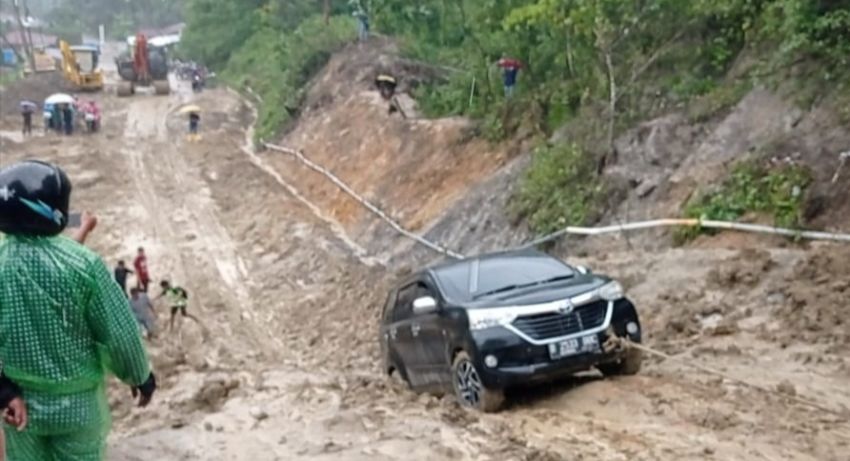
(583, 270)
(424, 305)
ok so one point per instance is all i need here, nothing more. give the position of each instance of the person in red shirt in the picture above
(143, 279)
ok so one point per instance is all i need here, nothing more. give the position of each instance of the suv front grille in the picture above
(556, 324)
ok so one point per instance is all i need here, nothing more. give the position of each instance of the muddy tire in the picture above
(469, 390)
(397, 375)
(161, 87)
(626, 366)
(126, 89)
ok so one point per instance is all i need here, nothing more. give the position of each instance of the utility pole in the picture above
(21, 29)
(28, 16)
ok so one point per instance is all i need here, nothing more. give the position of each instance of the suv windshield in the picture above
(473, 279)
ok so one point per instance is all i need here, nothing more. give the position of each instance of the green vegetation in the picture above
(267, 48)
(753, 188)
(561, 188)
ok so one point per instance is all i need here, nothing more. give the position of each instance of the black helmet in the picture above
(34, 199)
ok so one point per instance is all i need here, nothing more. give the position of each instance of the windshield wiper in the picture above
(518, 286)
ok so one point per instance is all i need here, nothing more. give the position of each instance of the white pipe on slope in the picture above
(369, 206)
(574, 230)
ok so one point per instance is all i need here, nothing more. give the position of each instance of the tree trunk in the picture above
(29, 29)
(327, 12)
(610, 153)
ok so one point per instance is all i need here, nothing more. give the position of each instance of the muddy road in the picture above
(285, 363)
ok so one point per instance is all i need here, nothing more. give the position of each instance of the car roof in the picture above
(83, 48)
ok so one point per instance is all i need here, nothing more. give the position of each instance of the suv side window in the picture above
(404, 302)
(422, 290)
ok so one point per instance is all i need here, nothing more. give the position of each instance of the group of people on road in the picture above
(62, 117)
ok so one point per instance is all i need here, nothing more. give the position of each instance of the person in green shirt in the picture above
(64, 323)
(178, 300)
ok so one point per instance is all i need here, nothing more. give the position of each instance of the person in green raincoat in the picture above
(63, 323)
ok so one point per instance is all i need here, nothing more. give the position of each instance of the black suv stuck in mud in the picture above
(477, 326)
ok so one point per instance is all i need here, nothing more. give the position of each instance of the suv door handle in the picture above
(415, 329)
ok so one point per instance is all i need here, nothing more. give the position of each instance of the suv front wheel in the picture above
(628, 365)
(469, 389)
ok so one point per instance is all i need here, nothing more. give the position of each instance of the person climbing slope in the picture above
(143, 279)
(121, 273)
(178, 300)
(65, 322)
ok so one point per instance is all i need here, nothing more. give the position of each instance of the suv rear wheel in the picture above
(469, 389)
(628, 365)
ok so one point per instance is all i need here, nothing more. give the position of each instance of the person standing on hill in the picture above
(362, 22)
(143, 279)
(510, 68)
(143, 310)
(64, 320)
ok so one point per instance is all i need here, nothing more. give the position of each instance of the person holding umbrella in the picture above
(62, 117)
(27, 109)
(194, 120)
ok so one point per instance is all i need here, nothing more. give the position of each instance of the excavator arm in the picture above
(89, 80)
(141, 63)
(70, 66)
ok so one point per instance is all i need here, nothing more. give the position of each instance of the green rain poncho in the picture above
(64, 323)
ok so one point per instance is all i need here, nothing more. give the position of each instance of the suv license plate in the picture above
(574, 346)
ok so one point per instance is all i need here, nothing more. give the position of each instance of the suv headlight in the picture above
(480, 319)
(611, 291)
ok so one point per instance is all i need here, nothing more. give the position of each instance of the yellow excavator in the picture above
(79, 65)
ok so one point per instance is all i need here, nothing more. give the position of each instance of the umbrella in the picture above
(28, 104)
(59, 98)
(191, 108)
(509, 63)
(386, 79)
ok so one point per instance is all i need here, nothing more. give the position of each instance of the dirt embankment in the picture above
(412, 167)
